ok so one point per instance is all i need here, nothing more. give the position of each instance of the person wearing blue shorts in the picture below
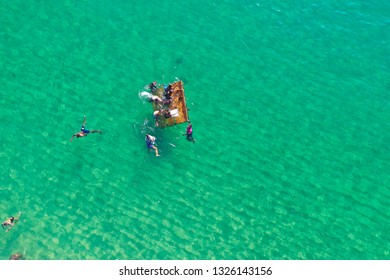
(150, 143)
(84, 131)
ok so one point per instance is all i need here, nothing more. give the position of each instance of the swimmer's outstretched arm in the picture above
(85, 120)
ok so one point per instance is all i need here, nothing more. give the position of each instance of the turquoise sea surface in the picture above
(289, 102)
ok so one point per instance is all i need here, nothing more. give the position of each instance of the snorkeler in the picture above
(84, 131)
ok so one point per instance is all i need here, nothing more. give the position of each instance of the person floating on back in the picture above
(84, 131)
(10, 222)
(189, 133)
(150, 143)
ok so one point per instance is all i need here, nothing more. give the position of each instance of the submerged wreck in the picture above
(169, 104)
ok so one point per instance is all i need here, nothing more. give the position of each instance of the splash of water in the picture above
(144, 95)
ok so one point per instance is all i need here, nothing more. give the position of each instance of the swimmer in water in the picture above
(10, 222)
(150, 143)
(189, 133)
(84, 131)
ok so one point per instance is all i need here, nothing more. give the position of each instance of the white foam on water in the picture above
(144, 95)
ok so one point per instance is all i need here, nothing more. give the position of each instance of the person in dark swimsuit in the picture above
(84, 132)
(9, 223)
(150, 143)
(189, 133)
(167, 114)
(167, 91)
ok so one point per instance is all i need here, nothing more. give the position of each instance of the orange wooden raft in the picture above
(177, 107)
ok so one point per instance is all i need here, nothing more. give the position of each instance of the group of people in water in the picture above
(161, 104)
(150, 141)
(162, 111)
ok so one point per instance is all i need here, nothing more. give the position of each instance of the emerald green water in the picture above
(289, 102)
